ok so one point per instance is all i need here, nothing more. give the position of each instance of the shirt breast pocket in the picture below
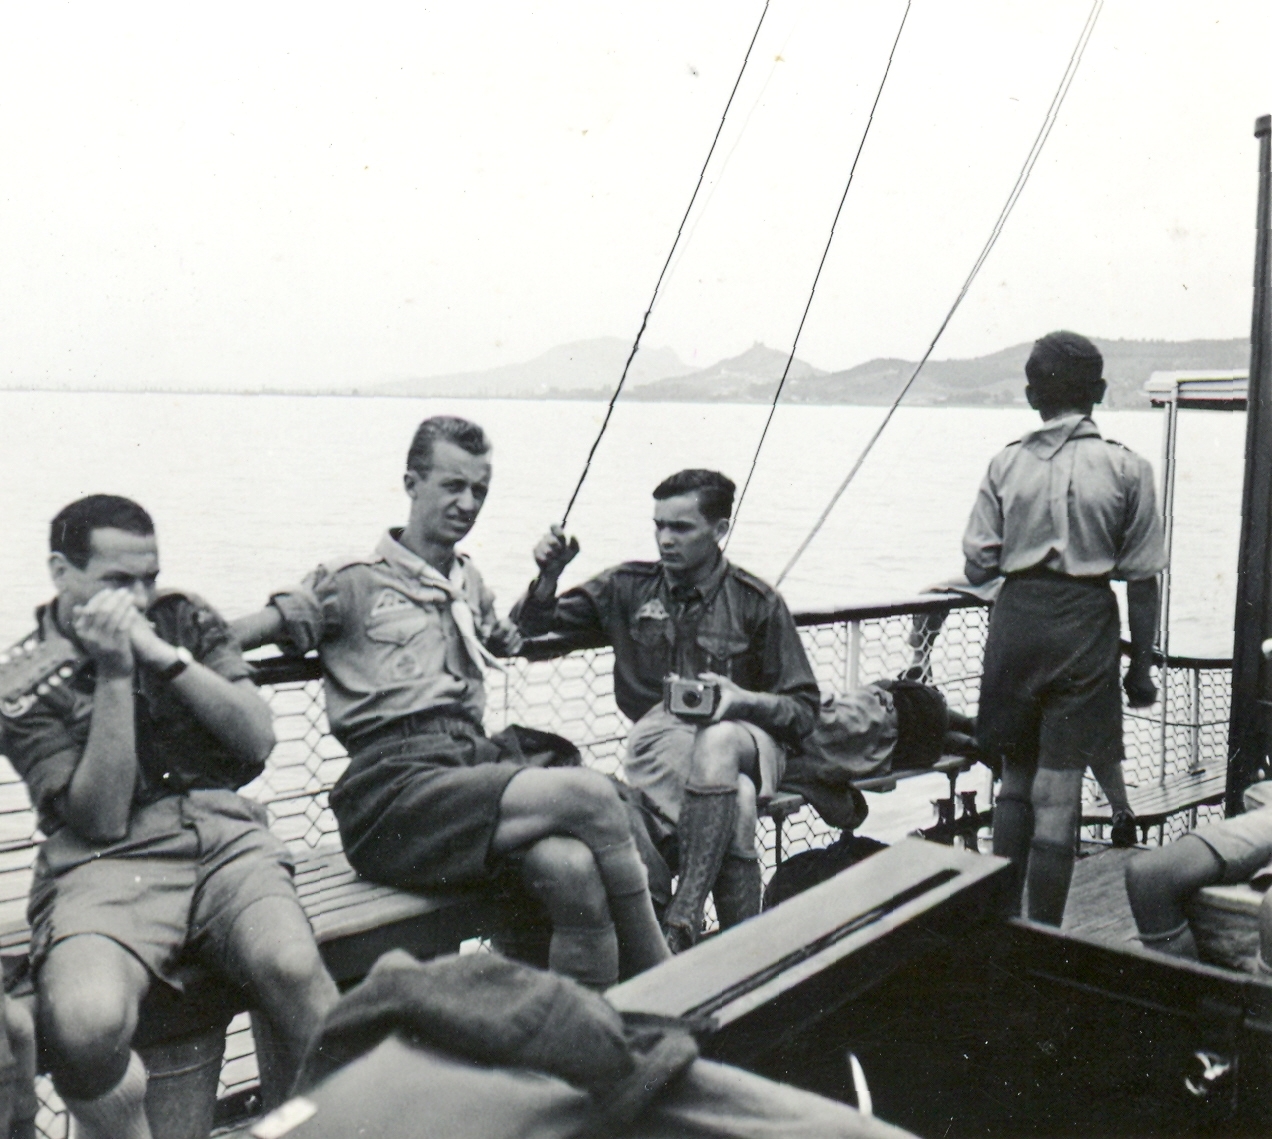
(720, 649)
(406, 643)
(651, 641)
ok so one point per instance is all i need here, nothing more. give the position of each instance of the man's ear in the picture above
(58, 567)
(1031, 396)
(721, 528)
(410, 480)
(1098, 391)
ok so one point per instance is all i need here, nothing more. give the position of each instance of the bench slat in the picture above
(1157, 802)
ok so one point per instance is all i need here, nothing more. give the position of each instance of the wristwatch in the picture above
(178, 666)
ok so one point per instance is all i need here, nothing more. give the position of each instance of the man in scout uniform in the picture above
(130, 715)
(1060, 513)
(428, 801)
(693, 615)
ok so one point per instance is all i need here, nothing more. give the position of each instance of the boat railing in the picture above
(941, 634)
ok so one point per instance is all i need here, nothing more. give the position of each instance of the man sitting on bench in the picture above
(693, 615)
(1160, 882)
(131, 716)
(428, 802)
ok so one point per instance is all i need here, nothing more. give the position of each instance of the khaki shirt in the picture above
(384, 630)
(1065, 499)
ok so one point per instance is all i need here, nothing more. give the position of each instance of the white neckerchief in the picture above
(461, 612)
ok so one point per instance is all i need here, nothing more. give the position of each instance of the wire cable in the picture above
(609, 411)
(1044, 131)
(781, 383)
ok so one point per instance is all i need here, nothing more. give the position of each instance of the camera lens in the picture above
(691, 699)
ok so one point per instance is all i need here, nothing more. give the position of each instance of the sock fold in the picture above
(119, 1113)
(588, 954)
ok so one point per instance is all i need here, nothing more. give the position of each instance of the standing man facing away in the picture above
(133, 721)
(691, 614)
(428, 802)
(1060, 513)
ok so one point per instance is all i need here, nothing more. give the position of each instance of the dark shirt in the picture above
(44, 731)
(732, 624)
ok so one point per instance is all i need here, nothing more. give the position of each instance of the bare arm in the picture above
(98, 799)
(233, 711)
(260, 628)
(1141, 616)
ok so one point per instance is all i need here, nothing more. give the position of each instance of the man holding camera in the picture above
(709, 665)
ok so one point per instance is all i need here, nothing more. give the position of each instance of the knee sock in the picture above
(1013, 832)
(708, 817)
(588, 954)
(737, 890)
(1050, 869)
(640, 941)
(119, 1113)
(1177, 942)
(1262, 968)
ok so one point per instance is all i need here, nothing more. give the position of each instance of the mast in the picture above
(1248, 732)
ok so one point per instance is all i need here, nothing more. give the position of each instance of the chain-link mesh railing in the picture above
(939, 636)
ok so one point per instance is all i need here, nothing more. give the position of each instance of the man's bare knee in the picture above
(277, 956)
(563, 874)
(1171, 874)
(89, 990)
(720, 752)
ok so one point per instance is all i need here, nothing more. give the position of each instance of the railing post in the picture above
(1194, 758)
(854, 654)
(1165, 698)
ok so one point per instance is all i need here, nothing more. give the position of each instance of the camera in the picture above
(691, 699)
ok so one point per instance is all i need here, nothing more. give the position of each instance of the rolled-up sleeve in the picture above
(45, 751)
(578, 615)
(983, 538)
(311, 612)
(1143, 552)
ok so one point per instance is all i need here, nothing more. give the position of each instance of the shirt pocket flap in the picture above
(722, 644)
(650, 631)
(398, 626)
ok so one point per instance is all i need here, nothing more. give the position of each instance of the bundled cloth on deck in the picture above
(483, 1007)
(866, 733)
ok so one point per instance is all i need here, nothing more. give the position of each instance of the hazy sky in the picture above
(299, 195)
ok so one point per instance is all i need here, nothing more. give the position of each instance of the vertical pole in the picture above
(1194, 753)
(1252, 621)
(854, 654)
(1163, 613)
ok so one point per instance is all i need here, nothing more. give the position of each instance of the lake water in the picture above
(248, 492)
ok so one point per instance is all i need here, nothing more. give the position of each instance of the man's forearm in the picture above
(233, 712)
(98, 800)
(1141, 617)
(261, 628)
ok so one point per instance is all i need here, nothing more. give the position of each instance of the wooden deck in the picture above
(1097, 905)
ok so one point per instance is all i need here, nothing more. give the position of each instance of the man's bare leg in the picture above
(1160, 882)
(89, 989)
(1014, 826)
(541, 803)
(273, 953)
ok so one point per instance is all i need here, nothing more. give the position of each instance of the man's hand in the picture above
(735, 700)
(149, 648)
(554, 552)
(505, 639)
(1138, 685)
(104, 626)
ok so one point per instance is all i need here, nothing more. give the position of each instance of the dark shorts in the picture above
(171, 891)
(1051, 694)
(418, 810)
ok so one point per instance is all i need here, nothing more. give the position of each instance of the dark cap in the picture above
(1064, 357)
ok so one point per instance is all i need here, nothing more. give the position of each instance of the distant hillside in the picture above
(586, 368)
(751, 376)
(998, 379)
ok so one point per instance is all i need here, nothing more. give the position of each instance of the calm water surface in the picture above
(249, 492)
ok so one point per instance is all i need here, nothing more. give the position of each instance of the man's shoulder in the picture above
(753, 583)
(350, 561)
(26, 666)
(627, 573)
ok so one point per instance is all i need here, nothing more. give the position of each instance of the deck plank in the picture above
(1098, 906)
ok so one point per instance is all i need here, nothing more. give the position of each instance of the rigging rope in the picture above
(817, 276)
(1053, 112)
(609, 411)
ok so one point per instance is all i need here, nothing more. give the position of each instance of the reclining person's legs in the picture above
(88, 991)
(541, 803)
(1160, 882)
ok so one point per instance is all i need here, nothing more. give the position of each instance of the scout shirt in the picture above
(43, 732)
(387, 631)
(732, 624)
(1063, 498)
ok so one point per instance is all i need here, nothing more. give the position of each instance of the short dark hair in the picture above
(1066, 370)
(461, 432)
(715, 491)
(71, 533)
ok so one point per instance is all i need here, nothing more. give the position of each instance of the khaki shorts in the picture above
(169, 892)
(659, 750)
(1242, 843)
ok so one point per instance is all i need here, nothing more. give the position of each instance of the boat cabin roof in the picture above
(1200, 389)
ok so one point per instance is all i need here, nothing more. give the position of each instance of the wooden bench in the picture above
(1154, 804)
